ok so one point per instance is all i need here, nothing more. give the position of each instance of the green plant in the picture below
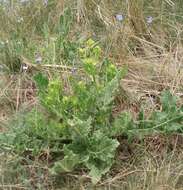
(167, 120)
(85, 113)
(76, 119)
(78, 116)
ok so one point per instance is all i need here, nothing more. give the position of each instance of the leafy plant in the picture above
(77, 117)
(167, 120)
(85, 113)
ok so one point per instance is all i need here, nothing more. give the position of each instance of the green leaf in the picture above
(108, 93)
(95, 174)
(102, 147)
(101, 154)
(79, 128)
(141, 119)
(65, 22)
(174, 127)
(168, 102)
(68, 163)
(122, 124)
(41, 81)
(95, 152)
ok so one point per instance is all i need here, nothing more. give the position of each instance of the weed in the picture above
(168, 120)
(81, 116)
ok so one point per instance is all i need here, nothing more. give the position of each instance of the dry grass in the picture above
(17, 92)
(155, 62)
(156, 59)
(144, 169)
(153, 56)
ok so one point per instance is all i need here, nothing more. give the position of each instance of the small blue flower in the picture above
(119, 17)
(149, 19)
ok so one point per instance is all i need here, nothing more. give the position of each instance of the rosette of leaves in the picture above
(93, 149)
